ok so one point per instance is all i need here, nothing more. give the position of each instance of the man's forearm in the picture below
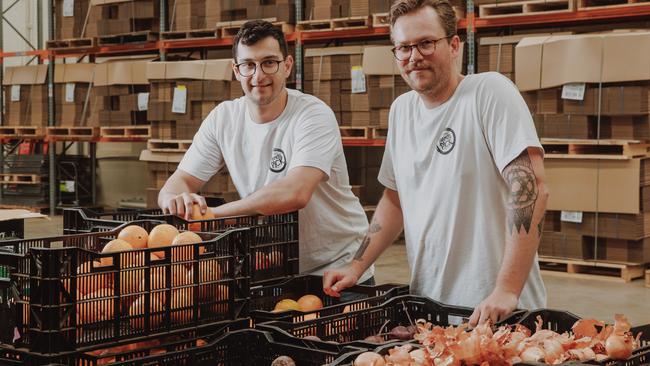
(271, 199)
(385, 226)
(526, 210)
(174, 186)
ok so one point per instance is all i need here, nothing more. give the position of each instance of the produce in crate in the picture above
(187, 254)
(306, 303)
(161, 236)
(283, 361)
(135, 235)
(114, 246)
(510, 345)
(96, 306)
(197, 215)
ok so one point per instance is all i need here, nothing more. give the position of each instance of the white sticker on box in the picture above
(15, 93)
(575, 91)
(143, 101)
(68, 8)
(358, 79)
(571, 216)
(179, 103)
(69, 92)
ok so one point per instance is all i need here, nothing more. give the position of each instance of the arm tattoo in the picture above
(374, 228)
(540, 226)
(522, 182)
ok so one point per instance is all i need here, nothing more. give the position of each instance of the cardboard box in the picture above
(117, 86)
(611, 226)
(569, 126)
(332, 63)
(590, 185)
(545, 62)
(25, 95)
(74, 95)
(617, 250)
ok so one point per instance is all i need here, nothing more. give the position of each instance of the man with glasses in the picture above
(283, 151)
(463, 173)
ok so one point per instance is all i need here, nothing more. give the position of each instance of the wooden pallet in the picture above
(20, 178)
(381, 20)
(230, 29)
(614, 271)
(143, 132)
(72, 133)
(168, 145)
(354, 133)
(605, 4)
(71, 44)
(378, 133)
(8, 132)
(335, 24)
(595, 149)
(524, 8)
(127, 38)
(351, 23)
(38, 208)
(212, 33)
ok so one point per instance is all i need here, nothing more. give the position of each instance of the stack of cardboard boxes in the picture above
(188, 14)
(184, 92)
(598, 208)
(25, 93)
(108, 17)
(74, 95)
(121, 93)
(70, 18)
(330, 9)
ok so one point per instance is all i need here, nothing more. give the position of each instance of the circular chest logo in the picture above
(278, 161)
(446, 142)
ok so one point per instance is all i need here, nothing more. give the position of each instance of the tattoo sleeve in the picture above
(522, 183)
(374, 228)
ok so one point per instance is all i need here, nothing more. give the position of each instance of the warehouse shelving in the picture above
(470, 26)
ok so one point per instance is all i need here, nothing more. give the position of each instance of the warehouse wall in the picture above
(23, 16)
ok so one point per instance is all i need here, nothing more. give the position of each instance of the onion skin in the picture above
(369, 359)
(619, 347)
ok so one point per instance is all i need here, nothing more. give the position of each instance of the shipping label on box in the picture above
(68, 8)
(179, 102)
(143, 101)
(358, 79)
(15, 93)
(69, 92)
(574, 91)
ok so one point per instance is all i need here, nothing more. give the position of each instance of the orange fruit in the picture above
(134, 235)
(161, 236)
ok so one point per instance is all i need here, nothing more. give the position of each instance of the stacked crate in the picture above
(184, 92)
(592, 114)
(74, 95)
(25, 93)
(109, 17)
(121, 93)
(71, 18)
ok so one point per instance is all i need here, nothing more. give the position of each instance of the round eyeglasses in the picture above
(248, 68)
(426, 47)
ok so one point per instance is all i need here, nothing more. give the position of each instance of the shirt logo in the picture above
(278, 161)
(446, 142)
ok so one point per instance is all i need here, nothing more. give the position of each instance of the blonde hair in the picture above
(443, 8)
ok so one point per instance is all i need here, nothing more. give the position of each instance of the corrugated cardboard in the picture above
(381, 61)
(591, 185)
(121, 73)
(544, 62)
(194, 70)
(74, 73)
(25, 75)
(332, 51)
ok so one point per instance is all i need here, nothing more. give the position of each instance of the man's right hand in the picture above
(181, 205)
(337, 280)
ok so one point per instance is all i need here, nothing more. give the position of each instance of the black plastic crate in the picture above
(351, 328)
(265, 297)
(81, 220)
(274, 245)
(54, 310)
(12, 229)
(562, 321)
(129, 353)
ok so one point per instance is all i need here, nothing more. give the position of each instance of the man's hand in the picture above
(181, 205)
(337, 280)
(495, 307)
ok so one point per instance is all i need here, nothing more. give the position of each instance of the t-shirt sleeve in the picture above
(317, 140)
(386, 171)
(507, 123)
(204, 159)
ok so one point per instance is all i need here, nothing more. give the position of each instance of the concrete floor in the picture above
(598, 298)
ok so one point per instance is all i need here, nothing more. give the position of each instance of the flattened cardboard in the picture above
(74, 73)
(25, 75)
(193, 70)
(121, 73)
(590, 185)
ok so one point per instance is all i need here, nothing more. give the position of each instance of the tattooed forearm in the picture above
(374, 228)
(522, 183)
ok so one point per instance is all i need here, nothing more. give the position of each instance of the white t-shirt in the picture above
(333, 223)
(445, 163)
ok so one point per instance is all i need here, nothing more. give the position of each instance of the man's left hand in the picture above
(494, 308)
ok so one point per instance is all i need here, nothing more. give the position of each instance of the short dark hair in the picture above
(256, 30)
(443, 8)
